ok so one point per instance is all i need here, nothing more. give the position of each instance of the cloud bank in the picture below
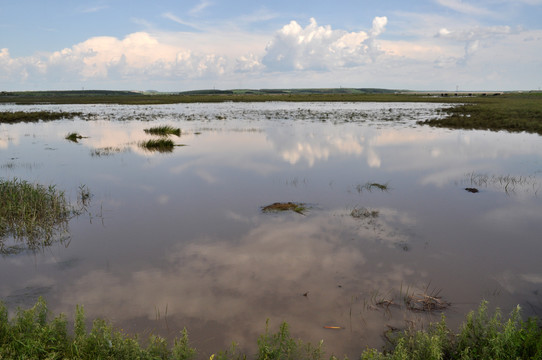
(293, 56)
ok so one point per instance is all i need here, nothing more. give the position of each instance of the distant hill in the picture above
(68, 93)
(290, 91)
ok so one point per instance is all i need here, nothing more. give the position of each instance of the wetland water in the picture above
(178, 239)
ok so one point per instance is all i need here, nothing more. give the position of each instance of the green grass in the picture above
(482, 336)
(13, 117)
(159, 145)
(34, 334)
(30, 335)
(34, 215)
(511, 112)
(164, 130)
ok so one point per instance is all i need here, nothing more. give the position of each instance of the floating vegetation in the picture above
(507, 183)
(371, 186)
(288, 206)
(364, 213)
(426, 302)
(105, 151)
(34, 214)
(74, 137)
(164, 130)
(159, 145)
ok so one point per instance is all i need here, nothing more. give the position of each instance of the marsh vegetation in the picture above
(13, 117)
(164, 130)
(32, 333)
(33, 215)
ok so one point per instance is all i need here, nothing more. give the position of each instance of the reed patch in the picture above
(33, 216)
(164, 130)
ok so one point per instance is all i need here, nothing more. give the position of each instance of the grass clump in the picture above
(282, 346)
(34, 213)
(164, 130)
(31, 211)
(285, 206)
(159, 145)
(74, 137)
(482, 336)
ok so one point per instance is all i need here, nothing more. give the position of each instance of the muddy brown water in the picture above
(178, 239)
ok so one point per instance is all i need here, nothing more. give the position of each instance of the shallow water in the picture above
(178, 239)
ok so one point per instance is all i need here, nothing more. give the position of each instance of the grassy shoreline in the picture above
(33, 333)
(513, 112)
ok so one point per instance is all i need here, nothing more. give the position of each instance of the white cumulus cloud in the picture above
(321, 47)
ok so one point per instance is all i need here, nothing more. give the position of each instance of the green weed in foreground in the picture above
(164, 130)
(159, 145)
(482, 336)
(31, 334)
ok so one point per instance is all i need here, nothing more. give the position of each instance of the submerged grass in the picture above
(164, 130)
(32, 334)
(370, 186)
(364, 213)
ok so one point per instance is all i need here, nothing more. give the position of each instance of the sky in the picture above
(169, 45)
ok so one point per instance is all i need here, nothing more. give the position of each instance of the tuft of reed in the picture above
(74, 137)
(35, 214)
(159, 145)
(371, 186)
(164, 130)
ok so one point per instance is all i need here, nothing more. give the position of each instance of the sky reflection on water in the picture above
(178, 239)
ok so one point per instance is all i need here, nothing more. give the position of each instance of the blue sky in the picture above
(201, 44)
